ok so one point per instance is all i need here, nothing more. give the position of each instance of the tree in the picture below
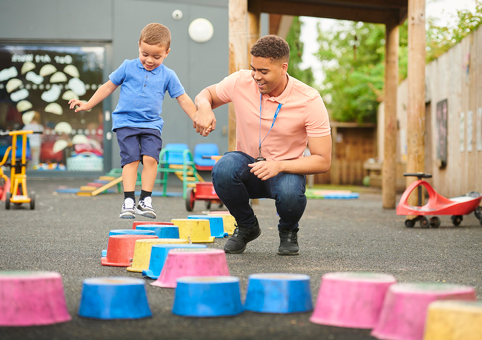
(296, 52)
(352, 56)
(353, 61)
(440, 39)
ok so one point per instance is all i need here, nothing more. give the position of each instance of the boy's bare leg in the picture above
(149, 173)
(129, 176)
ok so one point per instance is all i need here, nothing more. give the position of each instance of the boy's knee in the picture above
(149, 161)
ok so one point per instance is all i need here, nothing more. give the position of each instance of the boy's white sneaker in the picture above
(128, 210)
(144, 208)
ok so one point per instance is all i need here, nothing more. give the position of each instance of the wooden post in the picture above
(389, 170)
(416, 91)
(254, 25)
(335, 170)
(238, 53)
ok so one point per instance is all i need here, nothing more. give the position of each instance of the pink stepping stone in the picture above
(191, 262)
(32, 298)
(351, 299)
(405, 308)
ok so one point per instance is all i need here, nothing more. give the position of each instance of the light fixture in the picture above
(201, 30)
(177, 14)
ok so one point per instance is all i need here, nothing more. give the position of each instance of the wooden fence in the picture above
(453, 141)
(353, 144)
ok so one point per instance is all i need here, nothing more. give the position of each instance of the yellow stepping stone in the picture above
(142, 252)
(197, 231)
(454, 320)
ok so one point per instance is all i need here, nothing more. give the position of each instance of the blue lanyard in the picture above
(272, 124)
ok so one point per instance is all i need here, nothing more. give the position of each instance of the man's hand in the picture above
(204, 120)
(81, 106)
(265, 169)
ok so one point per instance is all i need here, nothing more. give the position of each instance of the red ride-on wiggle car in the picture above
(437, 205)
(204, 191)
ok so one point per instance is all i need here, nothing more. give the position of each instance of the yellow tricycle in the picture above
(16, 193)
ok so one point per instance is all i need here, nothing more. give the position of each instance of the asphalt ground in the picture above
(66, 234)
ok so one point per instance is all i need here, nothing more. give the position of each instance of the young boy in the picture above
(136, 119)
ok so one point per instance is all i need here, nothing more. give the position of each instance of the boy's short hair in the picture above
(272, 47)
(156, 34)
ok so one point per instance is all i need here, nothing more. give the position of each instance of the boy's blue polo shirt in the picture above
(142, 93)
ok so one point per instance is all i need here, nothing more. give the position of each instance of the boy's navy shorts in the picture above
(137, 142)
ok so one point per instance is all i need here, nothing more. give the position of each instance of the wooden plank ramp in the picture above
(94, 191)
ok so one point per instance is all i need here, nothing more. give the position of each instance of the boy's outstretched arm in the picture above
(187, 105)
(102, 92)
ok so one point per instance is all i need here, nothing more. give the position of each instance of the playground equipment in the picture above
(437, 205)
(176, 158)
(204, 191)
(202, 153)
(17, 193)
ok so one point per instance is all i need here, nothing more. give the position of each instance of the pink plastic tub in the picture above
(192, 262)
(351, 299)
(405, 308)
(32, 298)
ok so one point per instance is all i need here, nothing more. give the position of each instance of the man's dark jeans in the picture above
(235, 185)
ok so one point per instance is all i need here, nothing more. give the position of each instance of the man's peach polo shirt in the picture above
(302, 114)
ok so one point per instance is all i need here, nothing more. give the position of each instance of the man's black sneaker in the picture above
(288, 242)
(241, 236)
(144, 208)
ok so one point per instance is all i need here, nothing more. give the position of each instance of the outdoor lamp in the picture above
(201, 30)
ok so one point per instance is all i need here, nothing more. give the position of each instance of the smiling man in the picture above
(277, 116)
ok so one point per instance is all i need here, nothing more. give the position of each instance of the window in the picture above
(36, 83)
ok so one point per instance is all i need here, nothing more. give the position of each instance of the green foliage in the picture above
(440, 39)
(353, 61)
(296, 52)
(352, 56)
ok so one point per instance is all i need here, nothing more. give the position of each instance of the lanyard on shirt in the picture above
(272, 124)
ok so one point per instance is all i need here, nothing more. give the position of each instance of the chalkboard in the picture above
(442, 114)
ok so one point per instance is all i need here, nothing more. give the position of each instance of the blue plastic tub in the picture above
(207, 296)
(162, 231)
(114, 298)
(278, 293)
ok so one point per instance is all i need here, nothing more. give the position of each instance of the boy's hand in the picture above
(204, 121)
(81, 106)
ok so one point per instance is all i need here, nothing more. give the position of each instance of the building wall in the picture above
(456, 76)
(117, 25)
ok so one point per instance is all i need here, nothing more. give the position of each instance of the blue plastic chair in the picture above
(174, 153)
(205, 149)
(176, 158)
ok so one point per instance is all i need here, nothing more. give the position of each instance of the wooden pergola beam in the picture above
(373, 15)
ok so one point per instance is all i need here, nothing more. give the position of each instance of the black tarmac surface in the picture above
(66, 234)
